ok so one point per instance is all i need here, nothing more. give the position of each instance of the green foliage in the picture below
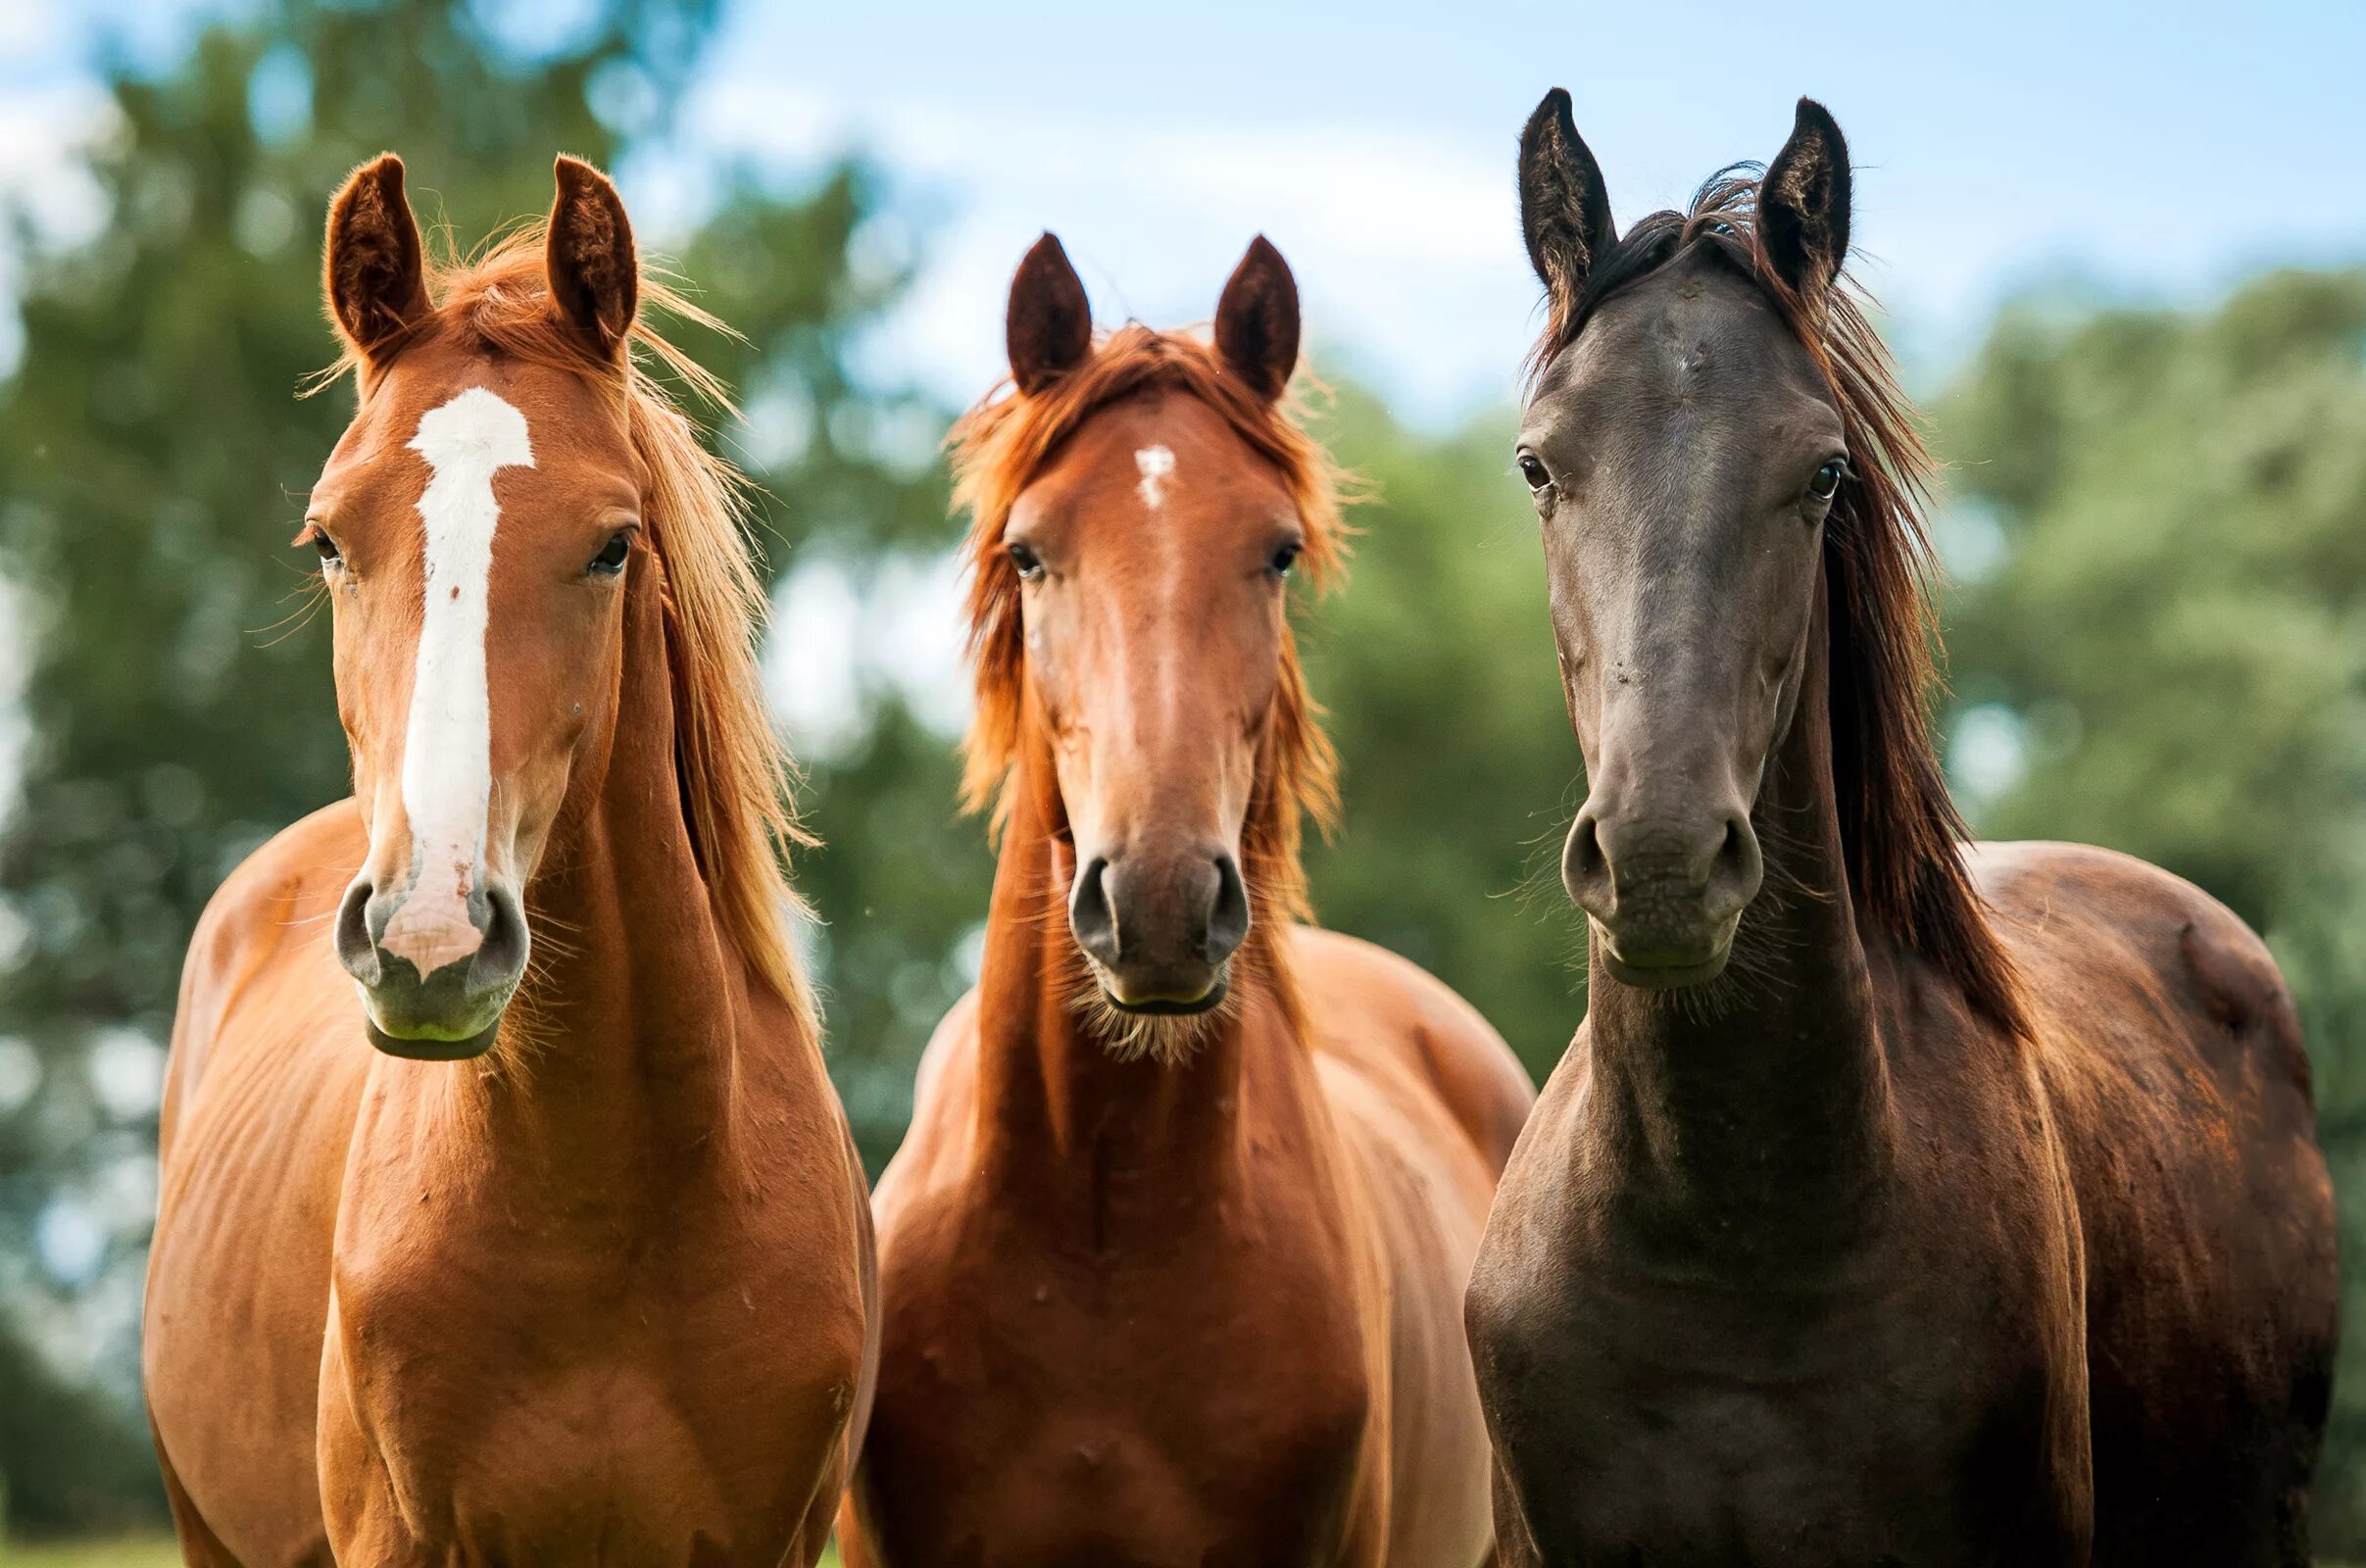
(1436, 664)
(2177, 636)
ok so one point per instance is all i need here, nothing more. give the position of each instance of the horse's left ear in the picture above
(1804, 203)
(1256, 320)
(595, 274)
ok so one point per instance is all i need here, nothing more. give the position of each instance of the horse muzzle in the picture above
(1665, 897)
(434, 982)
(1160, 933)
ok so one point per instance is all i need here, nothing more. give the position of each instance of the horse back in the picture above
(1385, 1014)
(1428, 1100)
(2172, 1055)
(264, 1073)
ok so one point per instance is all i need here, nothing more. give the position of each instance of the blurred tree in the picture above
(152, 460)
(2163, 647)
(1436, 664)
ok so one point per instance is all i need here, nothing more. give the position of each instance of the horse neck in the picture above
(1768, 1090)
(625, 1052)
(1058, 1112)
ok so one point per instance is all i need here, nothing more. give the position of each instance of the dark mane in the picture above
(999, 446)
(1899, 829)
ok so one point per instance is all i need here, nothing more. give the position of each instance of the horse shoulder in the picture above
(259, 1093)
(944, 1103)
(266, 912)
(1367, 1005)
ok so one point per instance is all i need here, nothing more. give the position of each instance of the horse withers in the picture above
(574, 1265)
(1893, 1205)
(1173, 1258)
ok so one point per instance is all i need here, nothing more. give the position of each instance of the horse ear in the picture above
(1564, 206)
(594, 272)
(1804, 203)
(1049, 330)
(1256, 320)
(373, 275)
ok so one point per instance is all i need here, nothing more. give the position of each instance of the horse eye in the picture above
(318, 537)
(1024, 560)
(1534, 472)
(1827, 482)
(611, 559)
(1284, 557)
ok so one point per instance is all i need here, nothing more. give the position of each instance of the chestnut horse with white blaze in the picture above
(1173, 1258)
(508, 1215)
(1895, 1203)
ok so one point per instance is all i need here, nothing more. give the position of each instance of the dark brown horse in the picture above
(1888, 1209)
(1171, 1261)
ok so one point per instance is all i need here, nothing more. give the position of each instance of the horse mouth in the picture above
(429, 1048)
(1159, 1008)
(1665, 968)
(1164, 1006)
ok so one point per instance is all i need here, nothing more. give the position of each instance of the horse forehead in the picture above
(1696, 337)
(556, 439)
(1161, 455)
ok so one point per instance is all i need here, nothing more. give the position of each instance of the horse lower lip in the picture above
(421, 1049)
(1160, 1006)
(1665, 968)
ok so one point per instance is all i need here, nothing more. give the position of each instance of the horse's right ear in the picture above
(372, 272)
(1564, 207)
(1049, 327)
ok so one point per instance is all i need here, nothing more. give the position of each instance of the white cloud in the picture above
(44, 133)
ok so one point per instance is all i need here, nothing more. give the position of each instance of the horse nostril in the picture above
(501, 959)
(1228, 917)
(356, 949)
(1585, 868)
(1090, 914)
(1733, 873)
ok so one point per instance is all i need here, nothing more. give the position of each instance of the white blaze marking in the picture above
(448, 746)
(1156, 463)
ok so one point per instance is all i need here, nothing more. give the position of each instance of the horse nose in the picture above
(1161, 927)
(439, 994)
(1615, 862)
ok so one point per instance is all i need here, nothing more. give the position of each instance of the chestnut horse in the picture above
(1888, 1209)
(1172, 1262)
(575, 1265)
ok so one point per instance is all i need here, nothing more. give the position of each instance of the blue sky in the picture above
(2155, 150)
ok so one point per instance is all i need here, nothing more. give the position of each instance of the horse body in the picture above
(2177, 1084)
(596, 1290)
(1892, 1205)
(1148, 1314)
(1172, 1254)
(2062, 1299)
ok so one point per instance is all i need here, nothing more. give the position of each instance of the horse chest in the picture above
(542, 1403)
(1053, 1409)
(1869, 1410)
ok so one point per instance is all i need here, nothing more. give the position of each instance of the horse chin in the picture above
(1665, 971)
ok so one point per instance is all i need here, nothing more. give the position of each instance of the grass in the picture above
(134, 1551)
